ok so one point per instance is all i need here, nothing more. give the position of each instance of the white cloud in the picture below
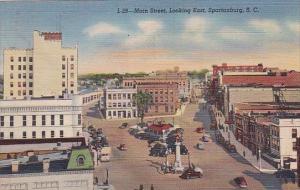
(294, 27)
(265, 25)
(101, 28)
(229, 33)
(194, 28)
(148, 31)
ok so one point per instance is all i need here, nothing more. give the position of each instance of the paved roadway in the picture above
(133, 167)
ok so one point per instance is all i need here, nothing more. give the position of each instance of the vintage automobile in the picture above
(241, 182)
(192, 172)
(122, 147)
(123, 126)
(200, 130)
(200, 146)
(183, 149)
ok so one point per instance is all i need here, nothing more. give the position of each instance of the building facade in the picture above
(164, 98)
(41, 118)
(119, 103)
(27, 71)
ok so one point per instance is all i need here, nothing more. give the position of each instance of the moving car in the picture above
(192, 173)
(123, 126)
(241, 182)
(122, 147)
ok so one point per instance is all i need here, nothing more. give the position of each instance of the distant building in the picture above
(181, 79)
(60, 173)
(90, 96)
(48, 69)
(164, 98)
(119, 103)
(41, 118)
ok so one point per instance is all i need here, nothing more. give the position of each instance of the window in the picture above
(11, 59)
(30, 59)
(52, 134)
(11, 93)
(33, 134)
(1, 121)
(24, 67)
(71, 83)
(30, 76)
(61, 133)
(19, 84)
(43, 120)
(63, 75)
(24, 134)
(30, 67)
(11, 121)
(24, 75)
(52, 120)
(109, 113)
(294, 133)
(19, 75)
(109, 96)
(11, 84)
(34, 120)
(24, 59)
(11, 135)
(19, 59)
(72, 57)
(166, 108)
(72, 75)
(129, 96)
(63, 84)
(24, 120)
(11, 76)
(63, 58)
(63, 66)
(80, 160)
(24, 84)
(61, 119)
(1, 135)
(156, 108)
(72, 66)
(30, 84)
(79, 119)
(12, 67)
(30, 92)
(294, 146)
(43, 134)
(19, 67)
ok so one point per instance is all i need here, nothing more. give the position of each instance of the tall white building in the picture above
(46, 70)
(284, 133)
(41, 118)
(119, 103)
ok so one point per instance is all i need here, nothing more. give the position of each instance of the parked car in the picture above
(200, 146)
(158, 151)
(183, 149)
(205, 139)
(142, 135)
(123, 126)
(200, 130)
(122, 147)
(231, 148)
(191, 173)
(241, 182)
(133, 131)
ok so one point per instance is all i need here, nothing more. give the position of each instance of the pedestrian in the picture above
(152, 187)
(244, 153)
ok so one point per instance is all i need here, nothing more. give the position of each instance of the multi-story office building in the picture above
(41, 118)
(48, 69)
(119, 103)
(164, 98)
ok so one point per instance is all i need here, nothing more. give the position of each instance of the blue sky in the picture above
(112, 42)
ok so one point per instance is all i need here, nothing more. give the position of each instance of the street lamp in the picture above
(259, 154)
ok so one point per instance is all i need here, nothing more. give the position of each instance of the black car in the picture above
(183, 149)
(142, 136)
(133, 131)
(161, 152)
(123, 126)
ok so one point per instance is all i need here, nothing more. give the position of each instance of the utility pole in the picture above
(259, 153)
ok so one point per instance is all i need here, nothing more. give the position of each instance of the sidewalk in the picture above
(241, 149)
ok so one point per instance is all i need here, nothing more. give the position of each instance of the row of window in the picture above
(63, 66)
(63, 84)
(40, 108)
(119, 105)
(21, 84)
(119, 96)
(63, 58)
(159, 91)
(33, 134)
(30, 76)
(121, 114)
(30, 67)
(34, 118)
(21, 93)
(30, 59)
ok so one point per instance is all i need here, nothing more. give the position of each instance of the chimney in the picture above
(15, 166)
(46, 163)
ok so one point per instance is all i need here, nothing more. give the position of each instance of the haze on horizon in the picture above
(117, 43)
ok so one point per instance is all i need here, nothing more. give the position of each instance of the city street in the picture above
(133, 167)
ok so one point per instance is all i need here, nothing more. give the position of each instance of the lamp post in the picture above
(259, 154)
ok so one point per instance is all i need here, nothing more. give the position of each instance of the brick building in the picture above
(164, 97)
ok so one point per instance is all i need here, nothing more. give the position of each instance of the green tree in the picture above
(142, 101)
